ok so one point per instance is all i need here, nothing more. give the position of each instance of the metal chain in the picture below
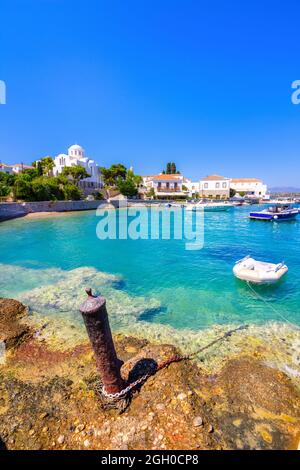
(115, 396)
(175, 358)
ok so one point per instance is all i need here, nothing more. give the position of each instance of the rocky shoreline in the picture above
(49, 398)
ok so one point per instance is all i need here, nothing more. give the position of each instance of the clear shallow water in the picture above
(189, 289)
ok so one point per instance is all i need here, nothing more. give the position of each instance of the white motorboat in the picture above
(210, 206)
(258, 272)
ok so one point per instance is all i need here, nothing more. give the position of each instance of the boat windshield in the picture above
(279, 208)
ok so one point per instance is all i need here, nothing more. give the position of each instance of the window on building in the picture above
(206, 185)
(224, 185)
(217, 185)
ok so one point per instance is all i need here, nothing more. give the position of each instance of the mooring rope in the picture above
(260, 297)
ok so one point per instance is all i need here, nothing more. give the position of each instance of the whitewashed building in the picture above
(8, 169)
(76, 156)
(192, 186)
(249, 187)
(215, 187)
(14, 169)
(165, 186)
(19, 167)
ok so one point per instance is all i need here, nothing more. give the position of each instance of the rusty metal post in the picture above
(96, 322)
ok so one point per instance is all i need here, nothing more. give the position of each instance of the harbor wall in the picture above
(11, 210)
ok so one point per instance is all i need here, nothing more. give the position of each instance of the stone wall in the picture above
(11, 210)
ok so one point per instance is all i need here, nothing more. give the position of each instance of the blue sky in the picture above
(205, 84)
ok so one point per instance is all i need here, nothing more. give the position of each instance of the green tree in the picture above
(112, 174)
(72, 192)
(136, 178)
(22, 188)
(31, 173)
(44, 166)
(76, 172)
(4, 190)
(171, 169)
(47, 189)
(232, 192)
(127, 187)
(7, 179)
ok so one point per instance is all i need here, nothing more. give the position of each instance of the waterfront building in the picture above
(192, 186)
(14, 169)
(76, 156)
(8, 169)
(19, 167)
(214, 187)
(166, 186)
(252, 187)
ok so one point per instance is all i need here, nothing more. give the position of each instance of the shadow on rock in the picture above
(142, 367)
(2, 445)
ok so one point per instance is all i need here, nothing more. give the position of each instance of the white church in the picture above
(76, 156)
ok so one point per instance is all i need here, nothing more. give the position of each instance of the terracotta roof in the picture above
(214, 177)
(246, 180)
(23, 166)
(165, 177)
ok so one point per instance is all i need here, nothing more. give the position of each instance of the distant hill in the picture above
(284, 189)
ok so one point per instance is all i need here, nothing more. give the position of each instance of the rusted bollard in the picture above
(96, 321)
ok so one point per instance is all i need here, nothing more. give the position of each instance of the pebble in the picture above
(210, 428)
(61, 439)
(160, 406)
(43, 415)
(45, 429)
(181, 396)
(79, 428)
(31, 432)
(86, 443)
(198, 421)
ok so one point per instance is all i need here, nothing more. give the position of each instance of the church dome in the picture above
(76, 151)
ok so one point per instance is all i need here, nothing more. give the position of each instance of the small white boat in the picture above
(258, 272)
(210, 207)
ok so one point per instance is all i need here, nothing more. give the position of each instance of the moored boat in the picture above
(258, 272)
(276, 213)
(210, 207)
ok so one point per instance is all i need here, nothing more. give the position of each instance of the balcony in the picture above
(164, 189)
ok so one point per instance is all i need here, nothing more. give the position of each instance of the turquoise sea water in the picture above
(193, 289)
